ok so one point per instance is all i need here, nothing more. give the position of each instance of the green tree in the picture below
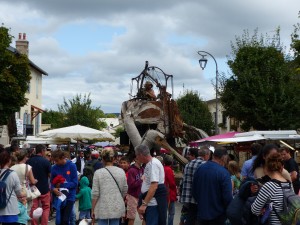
(260, 91)
(14, 78)
(55, 118)
(194, 111)
(79, 110)
(119, 130)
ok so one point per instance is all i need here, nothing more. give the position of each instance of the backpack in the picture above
(290, 215)
(3, 198)
(88, 170)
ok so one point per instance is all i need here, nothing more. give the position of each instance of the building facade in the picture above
(225, 124)
(29, 117)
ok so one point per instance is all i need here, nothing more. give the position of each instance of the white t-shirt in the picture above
(154, 172)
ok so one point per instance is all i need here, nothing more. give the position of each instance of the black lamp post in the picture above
(202, 63)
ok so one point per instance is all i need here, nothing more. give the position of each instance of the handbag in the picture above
(32, 192)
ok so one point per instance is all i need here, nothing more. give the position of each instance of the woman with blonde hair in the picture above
(108, 191)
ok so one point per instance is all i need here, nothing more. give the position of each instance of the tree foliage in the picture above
(194, 111)
(14, 78)
(55, 118)
(261, 91)
(79, 110)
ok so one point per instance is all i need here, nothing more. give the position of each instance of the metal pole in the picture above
(217, 80)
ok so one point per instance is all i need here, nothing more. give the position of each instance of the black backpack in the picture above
(3, 198)
(88, 170)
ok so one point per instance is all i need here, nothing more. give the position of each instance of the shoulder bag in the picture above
(31, 190)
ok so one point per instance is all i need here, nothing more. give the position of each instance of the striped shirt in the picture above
(187, 180)
(270, 192)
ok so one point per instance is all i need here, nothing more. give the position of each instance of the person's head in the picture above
(22, 155)
(274, 162)
(148, 85)
(231, 157)
(124, 163)
(142, 153)
(192, 153)
(168, 160)
(48, 155)
(263, 154)
(220, 156)
(14, 148)
(204, 152)
(108, 155)
(255, 148)
(95, 154)
(40, 149)
(5, 159)
(285, 153)
(59, 157)
(81, 153)
(233, 167)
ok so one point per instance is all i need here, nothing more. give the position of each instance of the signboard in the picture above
(3, 131)
(19, 123)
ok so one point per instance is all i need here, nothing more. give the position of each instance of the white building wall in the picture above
(34, 96)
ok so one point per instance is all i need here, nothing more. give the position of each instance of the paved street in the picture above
(138, 221)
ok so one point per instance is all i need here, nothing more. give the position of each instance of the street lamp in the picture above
(202, 63)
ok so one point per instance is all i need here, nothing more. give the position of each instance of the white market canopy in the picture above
(260, 135)
(77, 132)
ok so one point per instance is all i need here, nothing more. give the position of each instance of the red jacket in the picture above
(170, 184)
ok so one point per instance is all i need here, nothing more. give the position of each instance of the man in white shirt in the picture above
(154, 194)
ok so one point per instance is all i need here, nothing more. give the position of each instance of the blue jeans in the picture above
(85, 214)
(109, 221)
(151, 215)
(171, 213)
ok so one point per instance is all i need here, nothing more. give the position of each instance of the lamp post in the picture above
(202, 63)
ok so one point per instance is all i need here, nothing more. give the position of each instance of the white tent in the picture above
(77, 132)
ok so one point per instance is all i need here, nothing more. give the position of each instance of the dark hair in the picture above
(231, 157)
(168, 160)
(193, 151)
(58, 154)
(260, 161)
(14, 147)
(5, 157)
(39, 148)
(274, 162)
(284, 148)
(255, 148)
(125, 158)
(219, 153)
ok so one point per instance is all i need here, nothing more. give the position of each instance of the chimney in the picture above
(22, 44)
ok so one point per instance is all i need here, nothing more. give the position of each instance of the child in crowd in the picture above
(23, 216)
(124, 164)
(85, 199)
(171, 187)
(236, 177)
(134, 181)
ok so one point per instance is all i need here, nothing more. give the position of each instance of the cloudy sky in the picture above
(97, 46)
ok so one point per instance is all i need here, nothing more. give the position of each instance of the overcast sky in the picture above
(97, 46)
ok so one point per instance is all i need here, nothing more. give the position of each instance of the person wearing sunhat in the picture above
(148, 91)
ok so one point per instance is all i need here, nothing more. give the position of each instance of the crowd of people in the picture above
(110, 189)
(113, 190)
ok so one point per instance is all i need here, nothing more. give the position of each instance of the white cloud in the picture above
(166, 33)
